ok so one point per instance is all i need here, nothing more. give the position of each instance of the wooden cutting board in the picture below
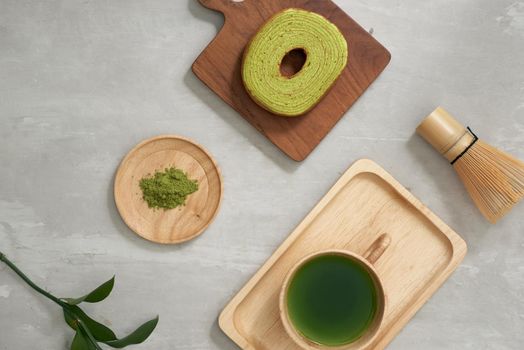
(364, 204)
(219, 68)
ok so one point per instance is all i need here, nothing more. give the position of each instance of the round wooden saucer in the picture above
(175, 225)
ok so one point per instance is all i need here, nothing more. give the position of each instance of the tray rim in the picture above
(226, 320)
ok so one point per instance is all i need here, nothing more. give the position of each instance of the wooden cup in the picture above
(367, 260)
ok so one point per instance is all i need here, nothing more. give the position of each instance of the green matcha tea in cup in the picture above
(334, 299)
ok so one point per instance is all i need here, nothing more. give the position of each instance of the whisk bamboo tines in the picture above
(493, 178)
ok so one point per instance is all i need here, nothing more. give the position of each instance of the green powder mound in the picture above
(168, 189)
(326, 56)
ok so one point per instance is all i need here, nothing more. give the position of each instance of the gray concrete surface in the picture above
(83, 81)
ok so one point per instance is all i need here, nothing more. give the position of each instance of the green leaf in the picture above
(99, 331)
(93, 344)
(137, 337)
(95, 296)
(80, 342)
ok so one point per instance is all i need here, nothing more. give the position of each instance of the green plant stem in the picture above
(13, 267)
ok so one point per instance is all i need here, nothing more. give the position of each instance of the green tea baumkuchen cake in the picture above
(326, 53)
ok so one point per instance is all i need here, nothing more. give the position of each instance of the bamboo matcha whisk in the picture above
(494, 179)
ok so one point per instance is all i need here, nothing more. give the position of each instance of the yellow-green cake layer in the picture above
(327, 54)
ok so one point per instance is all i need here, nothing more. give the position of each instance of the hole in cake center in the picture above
(293, 62)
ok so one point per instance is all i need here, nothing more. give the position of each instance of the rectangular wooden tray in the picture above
(365, 203)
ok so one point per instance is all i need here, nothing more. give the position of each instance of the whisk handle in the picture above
(446, 134)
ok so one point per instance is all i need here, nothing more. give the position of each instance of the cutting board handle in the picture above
(224, 6)
(378, 248)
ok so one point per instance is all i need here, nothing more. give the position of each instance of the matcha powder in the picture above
(168, 189)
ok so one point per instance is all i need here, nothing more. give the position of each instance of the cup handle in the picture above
(378, 248)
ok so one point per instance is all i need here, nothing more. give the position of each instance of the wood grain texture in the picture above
(360, 207)
(175, 225)
(220, 63)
